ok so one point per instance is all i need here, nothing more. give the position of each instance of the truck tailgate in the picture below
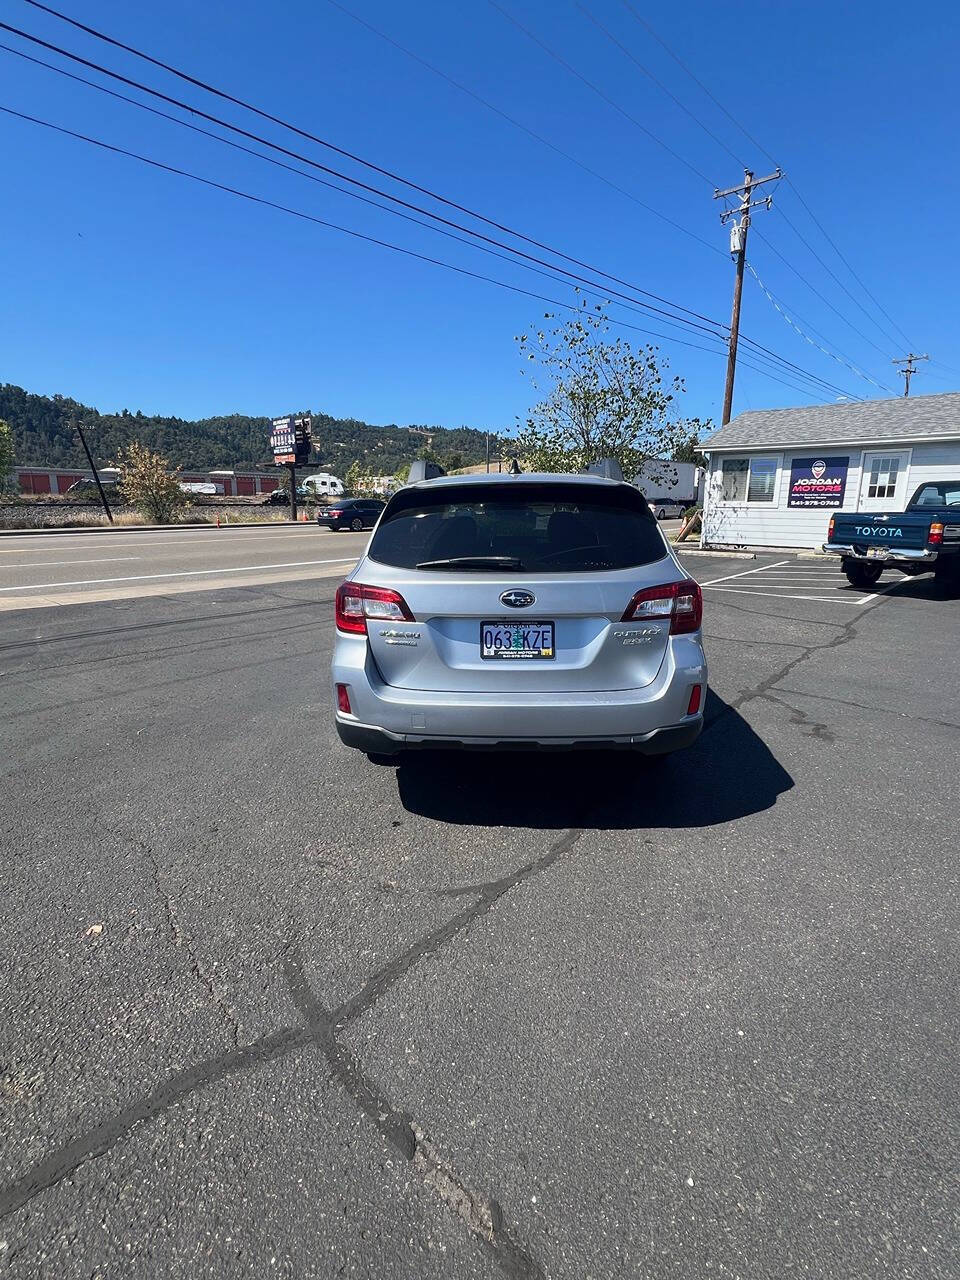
(906, 530)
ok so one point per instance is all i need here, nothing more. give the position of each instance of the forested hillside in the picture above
(43, 436)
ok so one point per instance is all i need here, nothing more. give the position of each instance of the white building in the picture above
(775, 475)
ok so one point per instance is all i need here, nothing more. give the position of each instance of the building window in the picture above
(883, 477)
(734, 479)
(748, 480)
(763, 480)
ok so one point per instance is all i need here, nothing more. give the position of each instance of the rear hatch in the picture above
(516, 585)
(900, 530)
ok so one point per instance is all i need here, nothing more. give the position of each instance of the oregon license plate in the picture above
(877, 553)
(520, 641)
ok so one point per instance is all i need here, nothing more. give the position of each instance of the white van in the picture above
(323, 484)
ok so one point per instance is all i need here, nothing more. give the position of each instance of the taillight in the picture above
(681, 602)
(356, 603)
(935, 536)
(830, 529)
(343, 700)
(335, 512)
(693, 706)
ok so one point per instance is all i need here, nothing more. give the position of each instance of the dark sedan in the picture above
(351, 513)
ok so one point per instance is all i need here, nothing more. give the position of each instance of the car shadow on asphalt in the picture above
(728, 773)
(923, 587)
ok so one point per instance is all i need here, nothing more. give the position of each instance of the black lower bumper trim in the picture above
(378, 742)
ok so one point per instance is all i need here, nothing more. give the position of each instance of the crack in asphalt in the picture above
(181, 940)
(873, 708)
(818, 729)
(481, 1213)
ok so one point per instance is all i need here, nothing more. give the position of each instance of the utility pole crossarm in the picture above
(908, 371)
(752, 182)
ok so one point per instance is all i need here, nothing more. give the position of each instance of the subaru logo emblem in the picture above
(517, 599)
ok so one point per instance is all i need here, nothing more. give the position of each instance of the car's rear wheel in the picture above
(661, 514)
(356, 524)
(862, 575)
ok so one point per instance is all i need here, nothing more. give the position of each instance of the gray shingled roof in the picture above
(902, 418)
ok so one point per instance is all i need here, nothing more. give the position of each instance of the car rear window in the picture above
(541, 528)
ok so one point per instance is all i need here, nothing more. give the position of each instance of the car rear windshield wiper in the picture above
(473, 562)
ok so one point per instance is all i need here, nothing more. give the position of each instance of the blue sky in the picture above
(128, 287)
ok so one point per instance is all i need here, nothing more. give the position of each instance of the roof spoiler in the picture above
(420, 469)
(607, 468)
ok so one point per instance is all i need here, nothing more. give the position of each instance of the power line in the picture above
(303, 133)
(650, 76)
(716, 101)
(679, 323)
(364, 186)
(518, 124)
(796, 369)
(832, 274)
(325, 223)
(826, 302)
(405, 204)
(322, 222)
(760, 147)
(826, 235)
(598, 91)
(793, 325)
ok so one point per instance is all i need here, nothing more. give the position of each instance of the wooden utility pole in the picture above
(908, 371)
(738, 249)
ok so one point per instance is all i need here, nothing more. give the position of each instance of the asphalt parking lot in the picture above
(274, 1010)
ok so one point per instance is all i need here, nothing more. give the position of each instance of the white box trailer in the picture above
(662, 481)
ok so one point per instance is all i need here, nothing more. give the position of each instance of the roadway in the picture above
(38, 570)
(274, 1010)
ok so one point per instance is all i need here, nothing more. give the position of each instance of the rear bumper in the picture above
(850, 552)
(366, 737)
(652, 719)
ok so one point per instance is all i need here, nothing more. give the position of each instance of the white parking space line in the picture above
(770, 595)
(180, 573)
(744, 573)
(782, 586)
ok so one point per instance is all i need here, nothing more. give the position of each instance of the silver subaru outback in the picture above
(518, 611)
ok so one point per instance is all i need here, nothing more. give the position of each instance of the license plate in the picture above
(877, 553)
(520, 641)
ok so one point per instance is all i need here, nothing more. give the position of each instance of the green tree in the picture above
(402, 473)
(603, 399)
(354, 476)
(6, 451)
(146, 482)
(688, 449)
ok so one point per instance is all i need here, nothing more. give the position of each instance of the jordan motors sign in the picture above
(818, 482)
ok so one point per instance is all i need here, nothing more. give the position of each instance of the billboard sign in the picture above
(818, 482)
(291, 439)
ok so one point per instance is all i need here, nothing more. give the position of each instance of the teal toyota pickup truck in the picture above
(924, 538)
